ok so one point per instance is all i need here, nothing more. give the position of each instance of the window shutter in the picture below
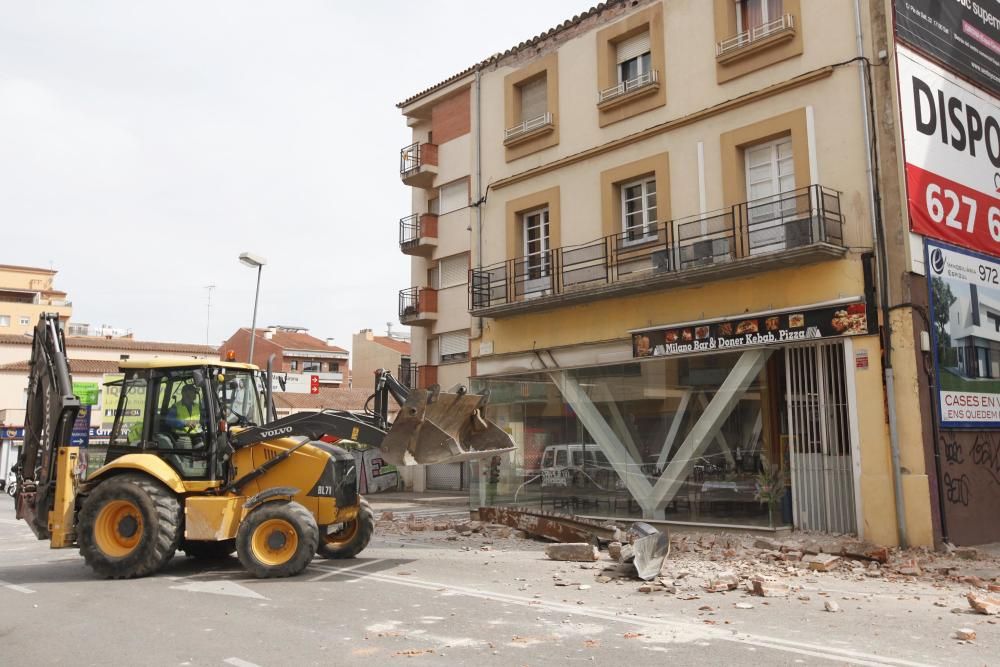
(534, 102)
(454, 270)
(453, 196)
(633, 47)
(454, 342)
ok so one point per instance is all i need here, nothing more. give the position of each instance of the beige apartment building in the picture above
(371, 352)
(650, 233)
(25, 293)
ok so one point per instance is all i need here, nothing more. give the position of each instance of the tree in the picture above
(943, 300)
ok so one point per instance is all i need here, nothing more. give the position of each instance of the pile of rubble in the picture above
(705, 564)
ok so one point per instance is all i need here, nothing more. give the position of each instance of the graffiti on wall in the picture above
(970, 480)
(374, 473)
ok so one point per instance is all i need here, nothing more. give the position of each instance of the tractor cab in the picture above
(180, 411)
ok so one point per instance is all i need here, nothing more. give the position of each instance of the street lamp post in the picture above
(258, 262)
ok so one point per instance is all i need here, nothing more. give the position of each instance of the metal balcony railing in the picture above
(415, 301)
(755, 34)
(409, 158)
(528, 126)
(408, 374)
(771, 225)
(414, 227)
(641, 81)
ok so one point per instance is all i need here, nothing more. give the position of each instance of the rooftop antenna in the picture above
(208, 318)
(388, 329)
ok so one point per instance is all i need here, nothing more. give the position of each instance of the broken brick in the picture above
(573, 551)
(984, 604)
(821, 562)
(769, 589)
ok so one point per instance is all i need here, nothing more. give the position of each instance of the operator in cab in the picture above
(184, 416)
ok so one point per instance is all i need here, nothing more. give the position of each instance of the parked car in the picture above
(576, 464)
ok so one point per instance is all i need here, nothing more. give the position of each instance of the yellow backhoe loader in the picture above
(197, 461)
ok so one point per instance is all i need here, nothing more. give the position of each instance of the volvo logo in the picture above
(937, 260)
(276, 432)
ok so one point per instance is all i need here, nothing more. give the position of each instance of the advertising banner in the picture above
(965, 316)
(962, 35)
(80, 437)
(850, 319)
(295, 383)
(87, 392)
(951, 140)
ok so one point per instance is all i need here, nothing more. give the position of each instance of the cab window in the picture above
(547, 458)
(130, 412)
(181, 433)
(561, 457)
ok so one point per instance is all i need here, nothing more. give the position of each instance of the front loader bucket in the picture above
(439, 427)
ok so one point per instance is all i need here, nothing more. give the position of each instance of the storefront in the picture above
(749, 420)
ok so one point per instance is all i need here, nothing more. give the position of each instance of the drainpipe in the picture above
(477, 322)
(864, 80)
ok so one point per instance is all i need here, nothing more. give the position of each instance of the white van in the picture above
(563, 465)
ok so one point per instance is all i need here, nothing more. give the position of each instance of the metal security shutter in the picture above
(454, 270)
(453, 196)
(633, 47)
(534, 102)
(444, 477)
(454, 342)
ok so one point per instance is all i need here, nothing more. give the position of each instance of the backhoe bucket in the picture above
(439, 427)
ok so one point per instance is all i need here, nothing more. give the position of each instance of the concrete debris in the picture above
(909, 568)
(573, 551)
(984, 604)
(615, 550)
(830, 605)
(966, 553)
(769, 589)
(743, 605)
(965, 634)
(386, 516)
(727, 582)
(821, 562)
(626, 554)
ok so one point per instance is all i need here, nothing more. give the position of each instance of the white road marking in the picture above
(653, 624)
(220, 588)
(15, 587)
(335, 571)
(239, 662)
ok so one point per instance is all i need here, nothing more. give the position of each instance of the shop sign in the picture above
(965, 327)
(951, 139)
(753, 331)
(962, 35)
(87, 392)
(295, 383)
(861, 359)
(80, 436)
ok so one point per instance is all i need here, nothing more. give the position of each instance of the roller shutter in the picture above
(454, 270)
(444, 477)
(533, 99)
(453, 196)
(633, 47)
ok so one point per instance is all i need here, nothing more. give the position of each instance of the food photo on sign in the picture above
(848, 319)
(965, 314)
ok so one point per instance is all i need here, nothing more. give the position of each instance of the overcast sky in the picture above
(143, 146)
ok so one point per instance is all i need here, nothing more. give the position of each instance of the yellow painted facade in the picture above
(25, 293)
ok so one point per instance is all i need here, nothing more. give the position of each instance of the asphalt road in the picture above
(423, 599)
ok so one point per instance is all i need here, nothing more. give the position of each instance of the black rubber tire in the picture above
(202, 550)
(307, 538)
(162, 518)
(362, 536)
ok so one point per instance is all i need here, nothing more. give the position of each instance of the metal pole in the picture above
(253, 324)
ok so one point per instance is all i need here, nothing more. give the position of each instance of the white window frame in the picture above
(24, 320)
(648, 226)
(787, 208)
(536, 260)
(764, 13)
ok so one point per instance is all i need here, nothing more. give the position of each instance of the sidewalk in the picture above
(422, 504)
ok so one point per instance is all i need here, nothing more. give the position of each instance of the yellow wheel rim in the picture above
(274, 542)
(346, 533)
(118, 528)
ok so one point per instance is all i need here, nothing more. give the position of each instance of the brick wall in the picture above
(450, 118)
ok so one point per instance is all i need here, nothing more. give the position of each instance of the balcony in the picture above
(641, 85)
(427, 376)
(417, 306)
(778, 30)
(529, 129)
(418, 164)
(418, 234)
(408, 374)
(794, 228)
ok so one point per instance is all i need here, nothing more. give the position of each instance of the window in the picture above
(454, 270)
(128, 414)
(4, 320)
(534, 102)
(433, 277)
(453, 196)
(334, 366)
(536, 244)
(634, 59)
(752, 14)
(432, 206)
(294, 365)
(24, 320)
(639, 210)
(770, 171)
(454, 346)
(311, 367)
